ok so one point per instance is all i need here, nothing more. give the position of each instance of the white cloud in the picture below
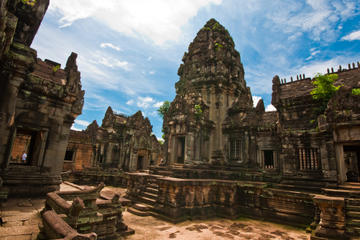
(152, 72)
(255, 99)
(270, 108)
(158, 104)
(82, 122)
(312, 68)
(74, 128)
(149, 58)
(313, 53)
(114, 63)
(157, 20)
(130, 102)
(110, 45)
(352, 36)
(317, 17)
(145, 102)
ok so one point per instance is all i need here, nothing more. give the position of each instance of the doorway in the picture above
(180, 150)
(140, 161)
(23, 147)
(352, 162)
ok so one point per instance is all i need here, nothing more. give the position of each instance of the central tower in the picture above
(211, 79)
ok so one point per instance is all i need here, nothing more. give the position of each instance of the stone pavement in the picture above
(21, 217)
(150, 228)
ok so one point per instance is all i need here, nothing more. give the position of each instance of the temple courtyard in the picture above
(21, 221)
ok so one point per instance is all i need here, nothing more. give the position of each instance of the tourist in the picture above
(24, 157)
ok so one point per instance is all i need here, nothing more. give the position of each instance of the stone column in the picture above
(332, 218)
(189, 148)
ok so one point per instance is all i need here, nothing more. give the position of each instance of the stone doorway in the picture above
(352, 162)
(180, 150)
(23, 147)
(140, 162)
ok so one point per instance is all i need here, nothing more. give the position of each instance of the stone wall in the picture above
(91, 176)
(181, 199)
(82, 151)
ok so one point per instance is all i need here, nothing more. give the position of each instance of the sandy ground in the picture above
(213, 229)
(22, 220)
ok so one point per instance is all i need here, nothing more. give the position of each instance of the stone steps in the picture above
(353, 201)
(152, 190)
(352, 209)
(341, 192)
(352, 214)
(147, 200)
(353, 222)
(297, 188)
(150, 195)
(138, 212)
(142, 207)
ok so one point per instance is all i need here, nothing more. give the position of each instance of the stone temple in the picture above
(121, 142)
(225, 157)
(222, 157)
(39, 102)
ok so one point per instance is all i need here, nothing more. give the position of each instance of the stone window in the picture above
(268, 156)
(235, 145)
(308, 158)
(69, 155)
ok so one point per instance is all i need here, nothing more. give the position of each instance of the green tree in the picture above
(29, 2)
(164, 108)
(198, 111)
(355, 91)
(324, 89)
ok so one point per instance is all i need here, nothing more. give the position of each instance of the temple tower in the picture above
(211, 79)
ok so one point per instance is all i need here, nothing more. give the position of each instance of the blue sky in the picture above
(130, 50)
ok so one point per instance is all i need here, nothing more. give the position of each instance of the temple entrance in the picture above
(180, 150)
(23, 147)
(352, 162)
(140, 162)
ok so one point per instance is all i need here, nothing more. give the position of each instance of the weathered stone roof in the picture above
(211, 59)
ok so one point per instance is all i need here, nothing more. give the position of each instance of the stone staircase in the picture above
(145, 202)
(352, 208)
(351, 193)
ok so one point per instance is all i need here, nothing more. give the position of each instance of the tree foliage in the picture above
(198, 111)
(164, 108)
(355, 91)
(324, 89)
(29, 2)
